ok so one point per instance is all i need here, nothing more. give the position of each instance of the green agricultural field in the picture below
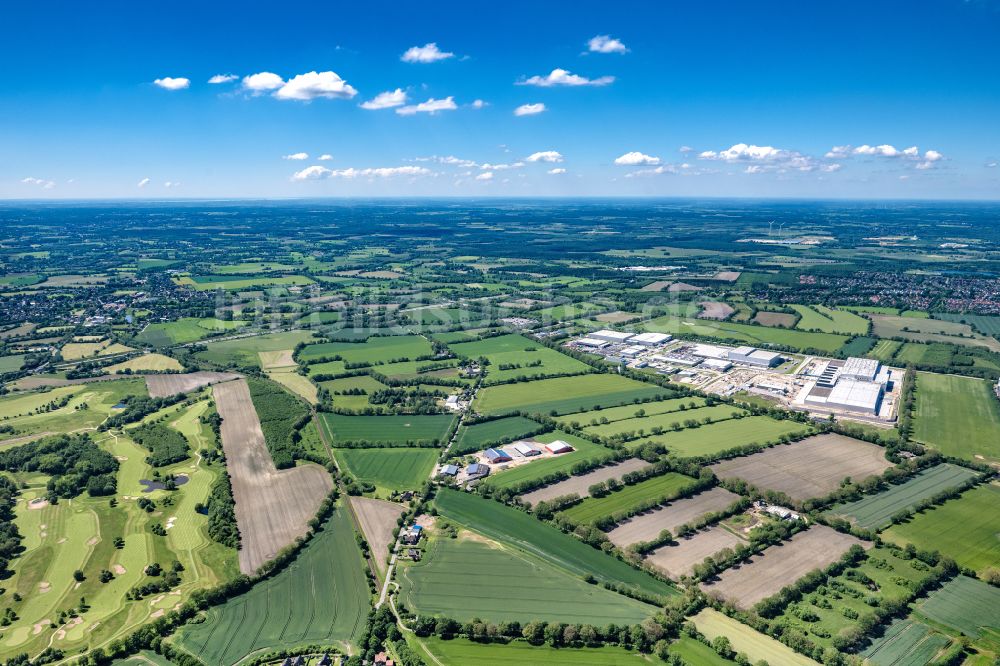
(182, 331)
(960, 416)
(516, 529)
(859, 346)
(885, 350)
(242, 283)
(246, 351)
(693, 651)
(708, 440)
(321, 597)
(564, 394)
(373, 350)
(517, 587)
(477, 437)
(642, 426)
(389, 468)
(936, 354)
(563, 312)
(462, 651)
(905, 641)
(965, 529)
(876, 511)
(985, 324)
(514, 355)
(755, 645)
(582, 450)
(828, 320)
(343, 385)
(11, 363)
(593, 508)
(967, 605)
(931, 330)
(612, 414)
(144, 658)
(392, 429)
(891, 577)
(745, 333)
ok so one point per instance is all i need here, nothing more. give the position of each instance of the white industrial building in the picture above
(632, 351)
(710, 351)
(849, 395)
(650, 339)
(754, 356)
(593, 343)
(865, 369)
(720, 364)
(610, 336)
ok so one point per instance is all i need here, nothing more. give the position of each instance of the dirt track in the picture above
(378, 520)
(578, 485)
(273, 507)
(161, 386)
(781, 565)
(647, 526)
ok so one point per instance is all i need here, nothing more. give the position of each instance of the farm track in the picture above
(273, 507)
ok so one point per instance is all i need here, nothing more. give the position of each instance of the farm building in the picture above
(476, 471)
(449, 470)
(525, 449)
(650, 339)
(782, 512)
(610, 336)
(558, 446)
(496, 456)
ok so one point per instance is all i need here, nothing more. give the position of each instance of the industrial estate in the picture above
(465, 434)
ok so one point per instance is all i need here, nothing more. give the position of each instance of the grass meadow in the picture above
(959, 416)
(563, 395)
(389, 468)
(593, 508)
(394, 429)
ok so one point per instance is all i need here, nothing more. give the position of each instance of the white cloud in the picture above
(830, 168)
(386, 100)
(142, 183)
(606, 44)
(635, 158)
(262, 82)
(427, 53)
(933, 156)
(311, 85)
(431, 106)
(488, 175)
(173, 83)
(448, 159)
(562, 77)
(223, 78)
(685, 149)
(479, 104)
(530, 109)
(545, 156)
(501, 167)
(753, 168)
(742, 152)
(317, 172)
(556, 171)
(170, 184)
(41, 182)
(325, 157)
(662, 169)
(296, 156)
(991, 165)
(838, 152)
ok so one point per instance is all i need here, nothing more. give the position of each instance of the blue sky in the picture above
(806, 99)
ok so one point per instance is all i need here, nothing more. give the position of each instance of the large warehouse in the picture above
(754, 356)
(610, 336)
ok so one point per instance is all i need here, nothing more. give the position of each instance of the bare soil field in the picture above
(683, 286)
(679, 558)
(715, 310)
(578, 485)
(377, 519)
(780, 565)
(161, 386)
(776, 319)
(647, 526)
(728, 276)
(659, 285)
(272, 507)
(813, 467)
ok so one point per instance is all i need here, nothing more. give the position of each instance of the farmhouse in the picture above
(496, 456)
(558, 446)
(449, 470)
